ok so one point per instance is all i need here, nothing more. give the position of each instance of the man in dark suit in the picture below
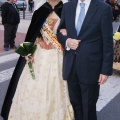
(88, 52)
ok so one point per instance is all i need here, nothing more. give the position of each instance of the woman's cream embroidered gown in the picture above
(46, 97)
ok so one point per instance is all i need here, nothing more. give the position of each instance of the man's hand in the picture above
(73, 43)
(63, 32)
(102, 79)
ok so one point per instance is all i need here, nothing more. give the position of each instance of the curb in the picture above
(6, 53)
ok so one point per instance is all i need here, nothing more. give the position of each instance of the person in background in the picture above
(31, 5)
(108, 2)
(10, 21)
(116, 64)
(116, 9)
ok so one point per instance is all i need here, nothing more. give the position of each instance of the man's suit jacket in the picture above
(94, 56)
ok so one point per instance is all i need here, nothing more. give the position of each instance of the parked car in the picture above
(21, 4)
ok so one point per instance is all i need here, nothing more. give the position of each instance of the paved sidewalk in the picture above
(20, 36)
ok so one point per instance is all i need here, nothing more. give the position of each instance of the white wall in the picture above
(36, 1)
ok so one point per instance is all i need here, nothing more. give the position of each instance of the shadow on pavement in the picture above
(111, 111)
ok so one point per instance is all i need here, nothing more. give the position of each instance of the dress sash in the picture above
(50, 37)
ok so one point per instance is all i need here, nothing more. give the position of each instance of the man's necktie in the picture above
(80, 18)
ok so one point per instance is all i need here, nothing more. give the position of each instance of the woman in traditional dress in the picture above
(46, 97)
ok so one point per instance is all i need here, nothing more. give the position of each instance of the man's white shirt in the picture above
(78, 9)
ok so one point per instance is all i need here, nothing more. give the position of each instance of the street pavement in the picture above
(108, 106)
(27, 14)
(9, 59)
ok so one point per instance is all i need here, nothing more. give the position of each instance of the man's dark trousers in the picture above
(84, 109)
(9, 35)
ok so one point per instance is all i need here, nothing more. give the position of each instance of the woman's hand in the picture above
(30, 59)
(63, 32)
